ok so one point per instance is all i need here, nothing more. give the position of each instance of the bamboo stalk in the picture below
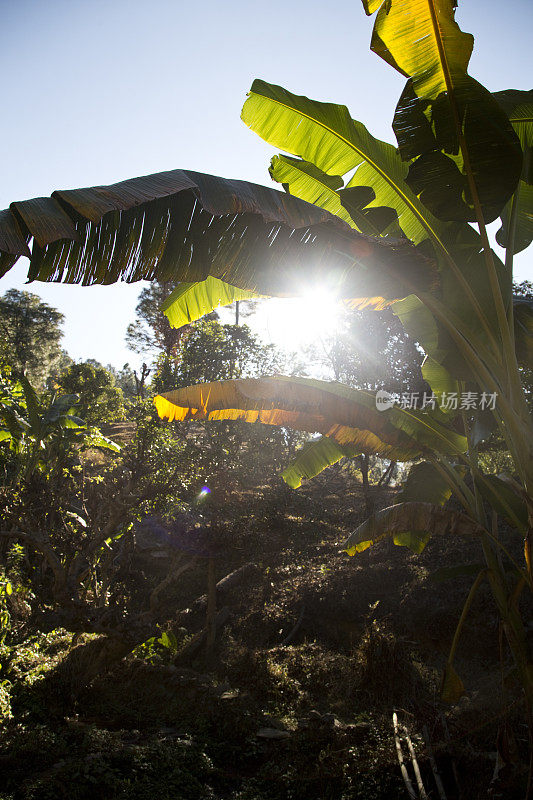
(433, 764)
(421, 790)
(405, 775)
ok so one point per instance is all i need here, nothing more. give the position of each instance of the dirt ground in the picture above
(296, 701)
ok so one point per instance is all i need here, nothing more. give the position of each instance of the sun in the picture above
(298, 322)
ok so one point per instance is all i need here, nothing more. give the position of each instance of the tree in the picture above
(31, 335)
(211, 351)
(373, 351)
(101, 400)
(125, 380)
(151, 331)
(445, 174)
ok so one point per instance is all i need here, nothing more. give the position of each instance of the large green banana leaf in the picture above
(411, 524)
(326, 132)
(187, 226)
(523, 326)
(325, 135)
(516, 232)
(191, 301)
(307, 181)
(421, 39)
(443, 111)
(347, 416)
(313, 458)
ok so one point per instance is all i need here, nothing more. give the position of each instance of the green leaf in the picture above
(306, 181)
(71, 422)
(421, 40)
(452, 688)
(523, 329)
(414, 540)
(501, 497)
(191, 301)
(60, 406)
(484, 426)
(439, 379)
(425, 132)
(423, 519)
(370, 219)
(168, 640)
(9, 588)
(97, 439)
(313, 458)
(423, 326)
(518, 106)
(325, 135)
(33, 406)
(425, 483)
(412, 35)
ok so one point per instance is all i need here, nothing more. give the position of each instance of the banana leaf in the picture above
(330, 142)
(440, 104)
(410, 524)
(325, 135)
(313, 458)
(523, 327)
(191, 301)
(187, 226)
(516, 232)
(425, 483)
(347, 416)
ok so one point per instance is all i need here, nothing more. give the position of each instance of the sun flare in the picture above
(300, 321)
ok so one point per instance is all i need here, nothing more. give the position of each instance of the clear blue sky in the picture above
(96, 92)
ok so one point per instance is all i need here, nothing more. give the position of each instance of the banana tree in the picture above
(386, 225)
(41, 432)
(463, 156)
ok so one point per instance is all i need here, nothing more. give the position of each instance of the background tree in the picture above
(124, 379)
(151, 330)
(211, 351)
(101, 400)
(30, 336)
(373, 351)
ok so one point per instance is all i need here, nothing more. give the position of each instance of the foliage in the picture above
(188, 300)
(349, 416)
(210, 351)
(460, 159)
(372, 351)
(184, 226)
(125, 380)
(100, 400)
(151, 331)
(31, 336)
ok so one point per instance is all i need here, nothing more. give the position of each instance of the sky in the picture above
(97, 92)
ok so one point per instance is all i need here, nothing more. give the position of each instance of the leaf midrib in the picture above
(369, 161)
(333, 192)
